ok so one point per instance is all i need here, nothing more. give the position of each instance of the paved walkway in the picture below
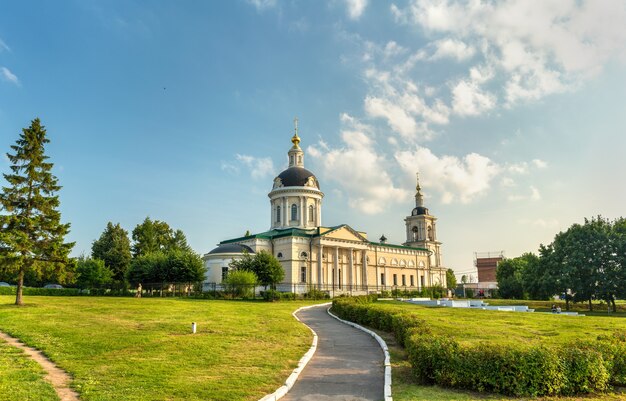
(347, 366)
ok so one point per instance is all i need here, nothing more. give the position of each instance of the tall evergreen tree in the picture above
(31, 233)
(113, 247)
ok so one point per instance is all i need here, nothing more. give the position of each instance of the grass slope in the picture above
(138, 349)
(21, 379)
(472, 325)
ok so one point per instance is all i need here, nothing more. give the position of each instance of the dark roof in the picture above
(420, 210)
(231, 248)
(296, 177)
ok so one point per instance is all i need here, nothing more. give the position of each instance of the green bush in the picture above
(585, 371)
(41, 291)
(516, 370)
(240, 284)
(314, 293)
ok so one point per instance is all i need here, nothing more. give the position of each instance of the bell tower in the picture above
(421, 228)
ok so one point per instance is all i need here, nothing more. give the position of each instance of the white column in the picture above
(336, 264)
(351, 274)
(319, 212)
(320, 277)
(305, 213)
(302, 207)
(364, 270)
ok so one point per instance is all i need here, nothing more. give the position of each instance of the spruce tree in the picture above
(113, 247)
(31, 233)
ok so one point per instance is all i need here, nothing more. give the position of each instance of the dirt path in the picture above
(59, 379)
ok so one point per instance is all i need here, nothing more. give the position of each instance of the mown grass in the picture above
(140, 349)
(599, 308)
(487, 326)
(474, 326)
(22, 379)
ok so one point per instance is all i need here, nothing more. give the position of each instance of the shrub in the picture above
(585, 371)
(240, 283)
(511, 369)
(314, 293)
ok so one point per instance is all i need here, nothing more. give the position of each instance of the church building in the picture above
(335, 259)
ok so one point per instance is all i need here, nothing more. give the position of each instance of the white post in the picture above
(193, 327)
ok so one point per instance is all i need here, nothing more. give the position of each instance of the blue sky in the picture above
(512, 111)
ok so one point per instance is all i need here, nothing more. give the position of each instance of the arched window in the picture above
(278, 214)
(299, 159)
(430, 233)
(415, 236)
(280, 255)
(311, 211)
(294, 212)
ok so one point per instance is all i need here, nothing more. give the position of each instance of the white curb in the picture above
(282, 390)
(383, 345)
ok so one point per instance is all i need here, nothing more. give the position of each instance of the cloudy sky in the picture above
(512, 111)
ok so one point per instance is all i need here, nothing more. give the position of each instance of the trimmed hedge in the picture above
(521, 370)
(40, 291)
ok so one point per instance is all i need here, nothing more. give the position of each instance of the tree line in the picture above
(584, 263)
(32, 237)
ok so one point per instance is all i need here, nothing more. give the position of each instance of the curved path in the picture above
(347, 366)
(59, 379)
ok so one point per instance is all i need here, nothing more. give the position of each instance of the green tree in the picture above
(148, 268)
(450, 279)
(264, 265)
(92, 273)
(31, 233)
(246, 262)
(510, 275)
(113, 247)
(268, 269)
(534, 279)
(240, 283)
(176, 266)
(154, 236)
(186, 266)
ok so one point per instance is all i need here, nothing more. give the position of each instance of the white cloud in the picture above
(469, 100)
(508, 182)
(260, 167)
(543, 223)
(7, 75)
(358, 169)
(540, 163)
(533, 195)
(4, 46)
(452, 48)
(462, 179)
(262, 4)
(529, 50)
(355, 8)
(400, 103)
(518, 168)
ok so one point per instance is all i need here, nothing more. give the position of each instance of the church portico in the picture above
(337, 259)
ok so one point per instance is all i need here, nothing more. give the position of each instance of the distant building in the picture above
(337, 258)
(486, 264)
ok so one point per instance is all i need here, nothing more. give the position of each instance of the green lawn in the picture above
(472, 325)
(478, 325)
(21, 379)
(138, 349)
